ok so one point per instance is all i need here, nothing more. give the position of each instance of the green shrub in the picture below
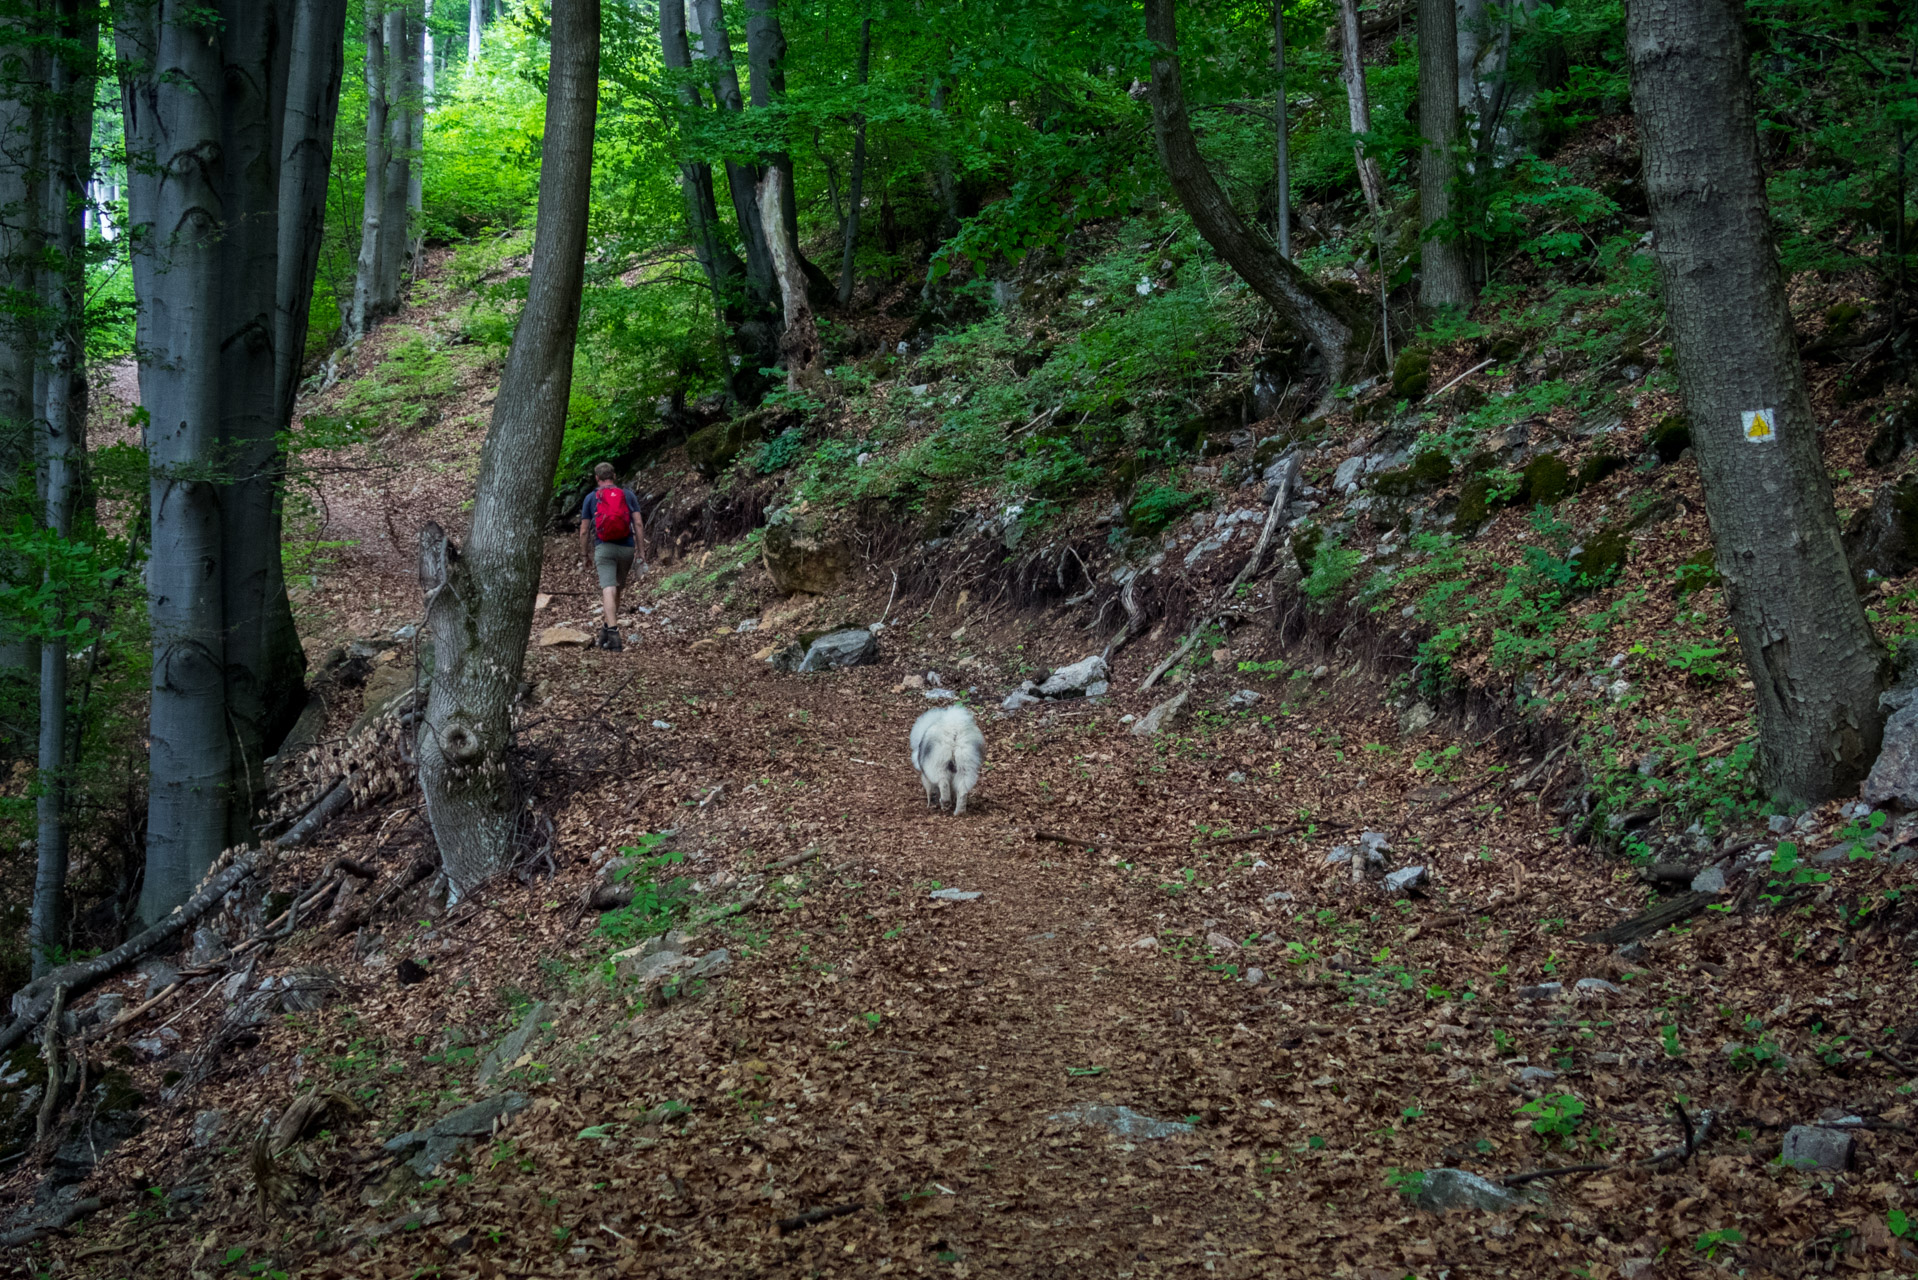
(1698, 572)
(780, 452)
(1158, 505)
(1332, 567)
(1603, 555)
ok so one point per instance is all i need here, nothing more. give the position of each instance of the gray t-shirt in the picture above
(591, 507)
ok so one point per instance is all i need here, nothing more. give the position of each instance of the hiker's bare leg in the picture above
(609, 605)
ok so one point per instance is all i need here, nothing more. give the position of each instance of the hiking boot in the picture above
(609, 639)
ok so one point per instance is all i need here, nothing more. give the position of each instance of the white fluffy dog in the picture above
(947, 750)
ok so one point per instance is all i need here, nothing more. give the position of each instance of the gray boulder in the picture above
(1811, 1147)
(504, 1054)
(1346, 478)
(1244, 700)
(1124, 1122)
(1710, 880)
(1166, 715)
(1894, 778)
(1073, 681)
(1282, 480)
(956, 895)
(160, 975)
(1438, 1190)
(1406, 879)
(853, 647)
(435, 1144)
(1018, 700)
(208, 948)
(207, 1126)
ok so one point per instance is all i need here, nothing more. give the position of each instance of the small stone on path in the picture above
(957, 895)
(1123, 1121)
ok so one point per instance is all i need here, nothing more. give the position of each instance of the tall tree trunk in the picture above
(420, 43)
(474, 21)
(1445, 272)
(1815, 665)
(1358, 104)
(373, 212)
(716, 257)
(426, 57)
(176, 201)
(402, 39)
(262, 675)
(799, 342)
(1327, 321)
(23, 64)
(312, 110)
(856, 181)
(942, 167)
(766, 85)
(479, 602)
(742, 180)
(69, 145)
(1282, 139)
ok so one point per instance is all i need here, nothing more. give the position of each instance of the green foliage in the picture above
(1555, 1117)
(1155, 506)
(400, 391)
(658, 902)
(1332, 567)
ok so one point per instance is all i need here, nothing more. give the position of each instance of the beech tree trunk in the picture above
(1815, 665)
(1358, 104)
(373, 191)
(742, 180)
(479, 601)
(176, 203)
(1331, 324)
(63, 417)
(856, 182)
(475, 20)
(312, 111)
(402, 40)
(942, 169)
(1445, 271)
(722, 266)
(799, 341)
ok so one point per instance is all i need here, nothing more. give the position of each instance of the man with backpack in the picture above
(610, 517)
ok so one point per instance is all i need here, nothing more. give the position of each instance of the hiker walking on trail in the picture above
(610, 517)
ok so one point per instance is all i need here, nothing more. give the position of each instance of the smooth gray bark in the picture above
(1358, 103)
(1445, 271)
(1326, 320)
(856, 180)
(716, 258)
(1815, 665)
(942, 168)
(799, 340)
(1282, 139)
(312, 111)
(22, 246)
(475, 20)
(402, 41)
(373, 192)
(176, 201)
(766, 85)
(479, 600)
(62, 420)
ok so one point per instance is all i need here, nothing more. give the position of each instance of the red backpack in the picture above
(611, 520)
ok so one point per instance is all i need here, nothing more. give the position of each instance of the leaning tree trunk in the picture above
(264, 663)
(69, 120)
(799, 341)
(366, 272)
(716, 257)
(856, 183)
(1358, 104)
(1816, 668)
(479, 601)
(1333, 326)
(176, 205)
(1445, 271)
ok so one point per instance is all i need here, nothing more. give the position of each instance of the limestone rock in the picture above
(853, 647)
(1123, 1122)
(1811, 1147)
(802, 553)
(554, 637)
(1894, 778)
(1168, 714)
(1074, 680)
(503, 1055)
(1406, 879)
(1442, 1189)
(436, 1143)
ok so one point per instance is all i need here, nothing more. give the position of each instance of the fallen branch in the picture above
(1694, 1139)
(1483, 364)
(31, 1002)
(812, 1217)
(316, 817)
(1672, 911)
